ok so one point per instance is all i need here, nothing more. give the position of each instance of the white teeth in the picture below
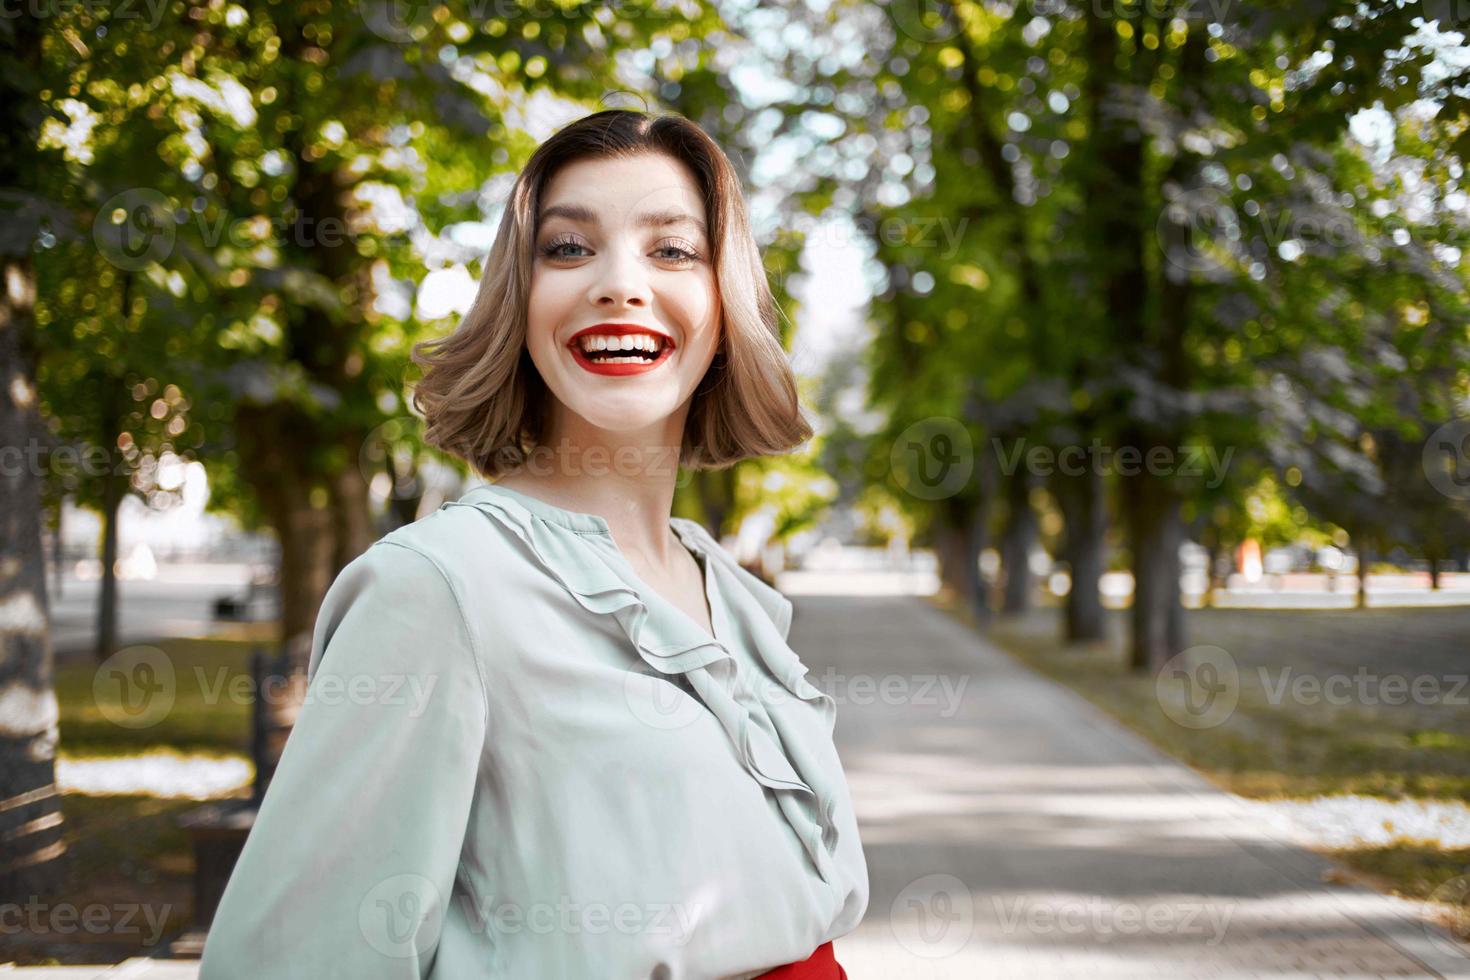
(604, 342)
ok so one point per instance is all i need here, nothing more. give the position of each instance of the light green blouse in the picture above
(516, 760)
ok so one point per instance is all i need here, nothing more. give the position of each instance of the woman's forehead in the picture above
(651, 190)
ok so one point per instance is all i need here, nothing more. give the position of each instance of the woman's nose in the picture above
(622, 279)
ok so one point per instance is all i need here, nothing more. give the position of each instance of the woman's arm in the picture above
(352, 858)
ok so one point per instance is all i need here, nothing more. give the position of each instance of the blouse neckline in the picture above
(571, 519)
(595, 524)
(587, 523)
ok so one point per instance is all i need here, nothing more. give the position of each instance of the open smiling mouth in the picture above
(610, 351)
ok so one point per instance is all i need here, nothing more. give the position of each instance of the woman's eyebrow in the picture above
(648, 219)
(572, 212)
(662, 219)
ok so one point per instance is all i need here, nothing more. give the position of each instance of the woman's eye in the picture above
(557, 249)
(677, 252)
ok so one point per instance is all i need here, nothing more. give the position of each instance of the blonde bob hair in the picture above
(481, 396)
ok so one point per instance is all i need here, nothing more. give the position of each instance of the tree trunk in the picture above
(57, 552)
(306, 543)
(987, 480)
(959, 533)
(274, 441)
(1117, 213)
(1153, 500)
(715, 492)
(1084, 514)
(352, 520)
(113, 404)
(1016, 543)
(1215, 582)
(114, 488)
(948, 552)
(975, 541)
(404, 493)
(1365, 558)
(32, 861)
(1155, 532)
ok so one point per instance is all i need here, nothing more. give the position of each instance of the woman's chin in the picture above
(627, 412)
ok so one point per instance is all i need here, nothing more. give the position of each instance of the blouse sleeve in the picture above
(349, 866)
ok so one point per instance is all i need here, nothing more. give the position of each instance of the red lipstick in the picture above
(624, 368)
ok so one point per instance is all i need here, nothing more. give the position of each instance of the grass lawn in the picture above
(1316, 713)
(201, 710)
(129, 867)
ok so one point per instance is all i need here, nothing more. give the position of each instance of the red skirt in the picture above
(821, 965)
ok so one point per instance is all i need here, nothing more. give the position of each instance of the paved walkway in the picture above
(1014, 830)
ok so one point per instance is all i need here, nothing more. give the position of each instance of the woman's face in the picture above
(622, 257)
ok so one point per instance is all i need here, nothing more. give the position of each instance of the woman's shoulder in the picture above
(431, 561)
(469, 553)
(398, 609)
(453, 539)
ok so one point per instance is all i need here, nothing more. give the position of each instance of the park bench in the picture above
(256, 601)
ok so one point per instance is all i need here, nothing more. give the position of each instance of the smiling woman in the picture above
(624, 237)
(646, 213)
(621, 771)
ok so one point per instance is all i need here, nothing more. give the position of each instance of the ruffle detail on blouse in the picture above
(674, 644)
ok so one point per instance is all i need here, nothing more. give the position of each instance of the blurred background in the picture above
(1134, 335)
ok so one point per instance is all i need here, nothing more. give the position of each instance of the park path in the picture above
(1014, 830)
